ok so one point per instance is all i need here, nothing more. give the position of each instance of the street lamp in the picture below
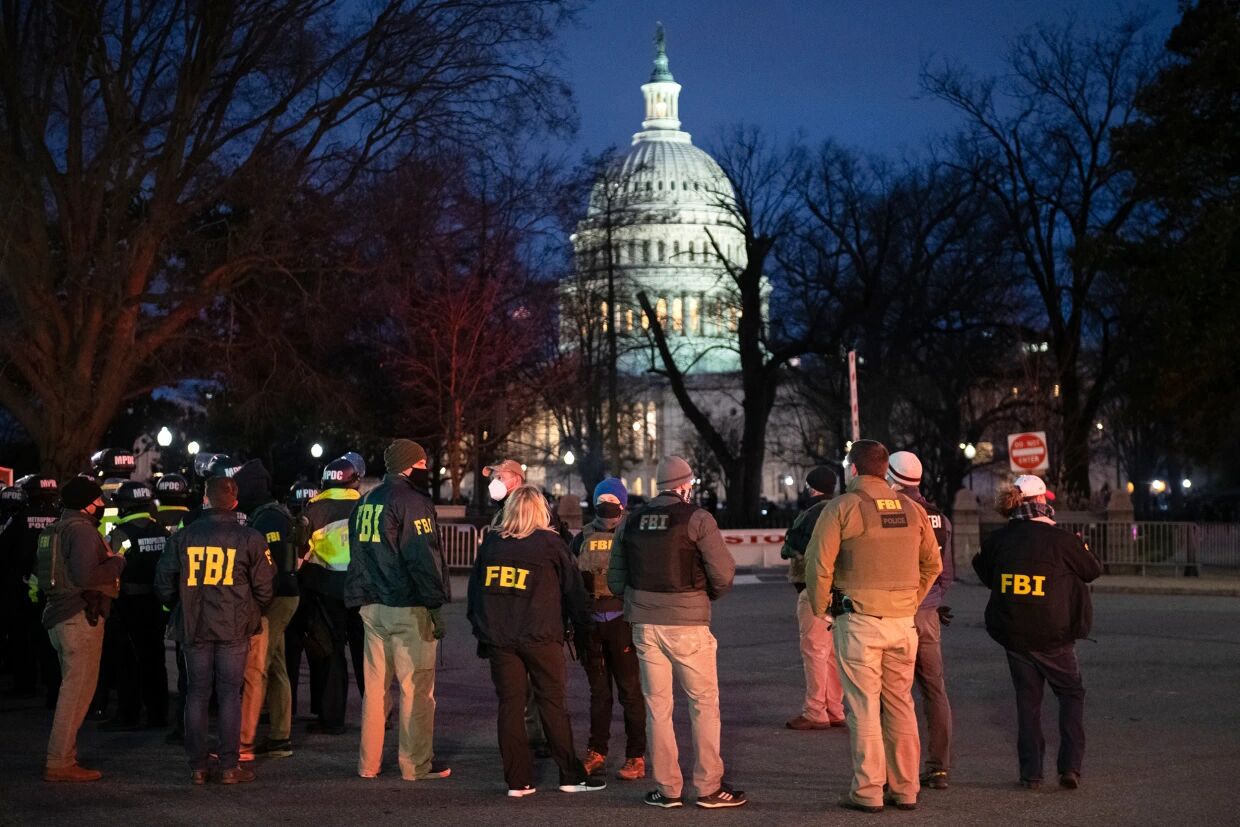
(316, 450)
(1186, 484)
(193, 447)
(970, 451)
(164, 437)
(788, 479)
(569, 458)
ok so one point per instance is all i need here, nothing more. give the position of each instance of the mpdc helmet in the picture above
(222, 465)
(112, 462)
(12, 498)
(132, 496)
(358, 462)
(38, 486)
(172, 488)
(302, 492)
(340, 473)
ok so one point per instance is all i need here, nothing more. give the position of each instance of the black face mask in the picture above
(420, 477)
(608, 511)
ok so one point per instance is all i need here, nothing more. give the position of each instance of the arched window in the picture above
(632, 251)
(605, 315)
(675, 249)
(637, 486)
(695, 316)
(671, 185)
(645, 252)
(661, 249)
(678, 316)
(652, 424)
(648, 187)
(628, 319)
(691, 253)
(660, 311)
(660, 183)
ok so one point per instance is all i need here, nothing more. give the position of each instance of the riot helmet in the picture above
(38, 487)
(133, 496)
(340, 473)
(12, 498)
(172, 489)
(358, 462)
(302, 492)
(222, 465)
(112, 462)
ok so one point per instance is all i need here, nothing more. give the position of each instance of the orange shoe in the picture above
(633, 769)
(73, 773)
(594, 762)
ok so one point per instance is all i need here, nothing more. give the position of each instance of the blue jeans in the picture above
(222, 663)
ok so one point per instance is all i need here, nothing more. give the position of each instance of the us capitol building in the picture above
(659, 221)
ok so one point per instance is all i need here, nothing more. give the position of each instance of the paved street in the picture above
(1162, 716)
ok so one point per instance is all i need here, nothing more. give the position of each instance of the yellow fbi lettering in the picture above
(368, 523)
(600, 545)
(422, 525)
(1022, 584)
(506, 577)
(212, 563)
(888, 505)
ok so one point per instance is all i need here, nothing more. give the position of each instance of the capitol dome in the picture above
(660, 218)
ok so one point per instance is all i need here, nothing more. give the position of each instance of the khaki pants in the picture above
(254, 688)
(688, 653)
(876, 658)
(824, 694)
(279, 690)
(79, 647)
(399, 643)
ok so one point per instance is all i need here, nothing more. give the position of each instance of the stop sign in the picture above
(1027, 452)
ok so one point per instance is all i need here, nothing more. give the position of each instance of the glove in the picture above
(32, 584)
(945, 615)
(438, 629)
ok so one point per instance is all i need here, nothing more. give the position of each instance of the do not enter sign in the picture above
(1027, 453)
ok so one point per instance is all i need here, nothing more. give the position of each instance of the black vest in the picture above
(937, 522)
(141, 542)
(658, 552)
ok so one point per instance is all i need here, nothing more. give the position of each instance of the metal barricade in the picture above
(459, 542)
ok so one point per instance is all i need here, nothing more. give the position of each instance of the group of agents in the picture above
(871, 568)
(634, 591)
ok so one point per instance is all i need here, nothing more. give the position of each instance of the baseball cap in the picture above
(509, 465)
(1030, 485)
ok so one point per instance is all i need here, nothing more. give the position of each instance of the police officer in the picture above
(301, 492)
(523, 586)
(134, 641)
(28, 650)
(824, 694)
(607, 653)
(398, 581)
(904, 475)
(220, 575)
(172, 496)
(669, 561)
(871, 560)
(1039, 607)
(110, 467)
(266, 676)
(79, 575)
(323, 541)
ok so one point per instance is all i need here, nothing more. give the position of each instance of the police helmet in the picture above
(172, 488)
(12, 497)
(38, 486)
(340, 473)
(222, 465)
(302, 492)
(133, 496)
(112, 462)
(358, 463)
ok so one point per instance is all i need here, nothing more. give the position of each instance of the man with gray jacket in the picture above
(669, 561)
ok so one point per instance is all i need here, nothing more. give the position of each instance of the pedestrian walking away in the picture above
(1039, 607)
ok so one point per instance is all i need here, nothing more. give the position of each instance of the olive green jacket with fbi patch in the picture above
(395, 558)
(877, 547)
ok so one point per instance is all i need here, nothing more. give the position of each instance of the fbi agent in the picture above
(1039, 607)
(523, 585)
(221, 578)
(872, 558)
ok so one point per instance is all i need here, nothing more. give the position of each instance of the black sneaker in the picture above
(590, 784)
(281, 748)
(725, 796)
(658, 799)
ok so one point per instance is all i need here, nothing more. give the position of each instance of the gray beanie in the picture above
(673, 472)
(402, 454)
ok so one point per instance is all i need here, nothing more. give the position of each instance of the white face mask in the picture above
(497, 489)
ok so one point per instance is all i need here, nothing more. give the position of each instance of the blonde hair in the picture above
(525, 511)
(1008, 499)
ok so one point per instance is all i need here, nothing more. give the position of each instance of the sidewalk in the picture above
(1134, 584)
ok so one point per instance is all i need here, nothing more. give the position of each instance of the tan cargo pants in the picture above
(399, 643)
(877, 656)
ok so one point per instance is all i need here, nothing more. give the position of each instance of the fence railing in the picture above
(459, 542)
(1143, 547)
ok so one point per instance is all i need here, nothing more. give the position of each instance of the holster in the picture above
(838, 606)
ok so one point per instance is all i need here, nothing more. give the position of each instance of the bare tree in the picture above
(1038, 139)
(153, 154)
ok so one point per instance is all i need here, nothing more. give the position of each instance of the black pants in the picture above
(327, 624)
(611, 658)
(1030, 672)
(357, 651)
(178, 708)
(294, 645)
(512, 671)
(137, 658)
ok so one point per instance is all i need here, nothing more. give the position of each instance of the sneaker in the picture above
(849, 803)
(437, 770)
(237, 775)
(658, 799)
(633, 769)
(594, 762)
(803, 724)
(521, 792)
(280, 748)
(725, 796)
(198, 777)
(1070, 780)
(74, 773)
(590, 784)
(935, 779)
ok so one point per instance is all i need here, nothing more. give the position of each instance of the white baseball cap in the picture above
(1030, 485)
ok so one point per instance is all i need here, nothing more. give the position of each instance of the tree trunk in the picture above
(1074, 453)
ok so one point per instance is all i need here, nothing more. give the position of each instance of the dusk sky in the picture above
(842, 69)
